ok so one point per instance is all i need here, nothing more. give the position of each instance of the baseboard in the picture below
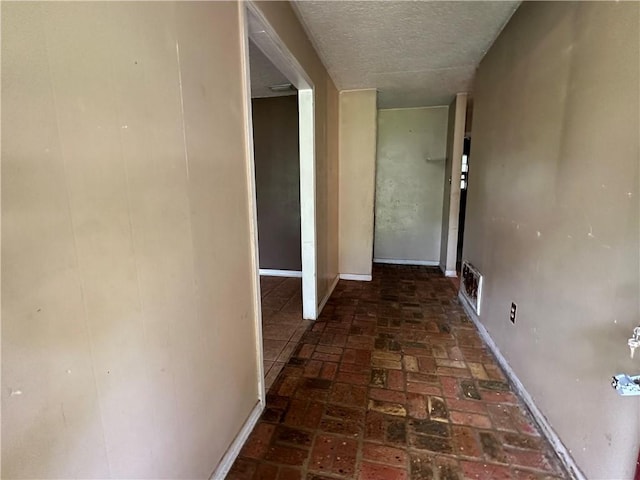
(230, 456)
(547, 430)
(268, 272)
(450, 273)
(392, 261)
(328, 295)
(353, 276)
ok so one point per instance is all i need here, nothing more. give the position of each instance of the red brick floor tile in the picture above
(375, 426)
(453, 372)
(304, 413)
(352, 395)
(372, 471)
(534, 459)
(334, 455)
(501, 398)
(387, 395)
(266, 471)
(423, 388)
(471, 406)
(258, 443)
(417, 377)
(286, 455)
(417, 405)
(471, 419)
(286, 473)
(392, 382)
(492, 447)
(465, 442)
(355, 368)
(422, 466)
(292, 436)
(242, 469)
(325, 357)
(395, 380)
(450, 386)
(494, 372)
(485, 471)
(312, 368)
(306, 350)
(501, 417)
(396, 457)
(447, 468)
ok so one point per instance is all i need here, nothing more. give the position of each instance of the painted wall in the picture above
(456, 121)
(552, 218)
(358, 114)
(330, 253)
(281, 17)
(127, 273)
(409, 183)
(277, 163)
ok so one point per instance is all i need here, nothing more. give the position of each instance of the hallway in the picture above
(393, 382)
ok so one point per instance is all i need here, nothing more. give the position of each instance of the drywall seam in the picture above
(542, 422)
(353, 276)
(268, 272)
(232, 453)
(393, 261)
(328, 295)
(253, 208)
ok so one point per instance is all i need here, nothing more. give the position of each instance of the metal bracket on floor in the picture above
(626, 385)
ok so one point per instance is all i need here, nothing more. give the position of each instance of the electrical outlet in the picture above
(512, 314)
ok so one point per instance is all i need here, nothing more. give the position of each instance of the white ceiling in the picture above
(264, 74)
(416, 53)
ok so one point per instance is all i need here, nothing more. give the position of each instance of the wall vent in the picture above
(471, 286)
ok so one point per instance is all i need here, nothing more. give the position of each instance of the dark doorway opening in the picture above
(464, 183)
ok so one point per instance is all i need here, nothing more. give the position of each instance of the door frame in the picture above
(255, 26)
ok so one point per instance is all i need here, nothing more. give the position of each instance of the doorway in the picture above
(262, 40)
(464, 183)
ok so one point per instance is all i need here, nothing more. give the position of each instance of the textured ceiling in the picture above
(415, 53)
(264, 74)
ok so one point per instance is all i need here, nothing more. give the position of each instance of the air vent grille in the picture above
(471, 286)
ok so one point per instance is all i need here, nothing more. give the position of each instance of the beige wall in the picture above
(552, 218)
(331, 250)
(277, 166)
(126, 260)
(281, 17)
(409, 184)
(357, 180)
(452, 171)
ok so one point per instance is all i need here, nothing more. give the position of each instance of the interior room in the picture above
(274, 115)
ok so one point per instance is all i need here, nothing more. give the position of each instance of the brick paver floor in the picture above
(394, 382)
(282, 323)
